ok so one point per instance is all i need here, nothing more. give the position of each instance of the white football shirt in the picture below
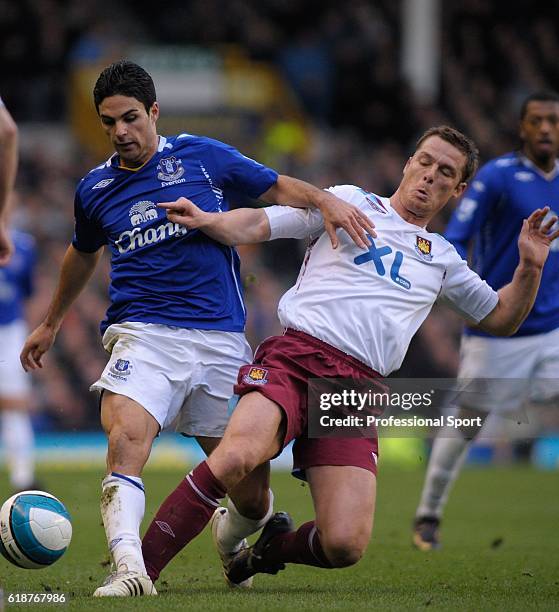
(370, 303)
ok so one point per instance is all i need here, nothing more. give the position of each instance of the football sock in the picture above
(181, 517)
(235, 527)
(18, 442)
(122, 508)
(447, 457)
(302, 546)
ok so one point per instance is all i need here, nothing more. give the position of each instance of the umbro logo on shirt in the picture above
(102, 183)
(524, 177)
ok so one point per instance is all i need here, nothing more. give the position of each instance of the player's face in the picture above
(432, 175)
(131, 130)
(539, 131)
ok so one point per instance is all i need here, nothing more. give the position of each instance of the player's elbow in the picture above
(8, 130)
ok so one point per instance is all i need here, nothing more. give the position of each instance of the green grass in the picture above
(517, 506)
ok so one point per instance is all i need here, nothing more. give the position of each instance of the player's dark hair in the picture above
(458, 140)
(538, 96)
(125, 78)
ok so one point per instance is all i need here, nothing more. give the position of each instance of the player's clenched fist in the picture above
(36, 345)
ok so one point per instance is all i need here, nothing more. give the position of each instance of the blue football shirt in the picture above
(16, 278)
(160, 271)
(504, 192)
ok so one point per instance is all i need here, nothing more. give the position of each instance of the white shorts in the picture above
(518, 370)
(182, 377)
(14, 382)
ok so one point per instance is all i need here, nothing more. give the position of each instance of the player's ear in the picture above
(154, 111)
(407, 164)
(460, 188)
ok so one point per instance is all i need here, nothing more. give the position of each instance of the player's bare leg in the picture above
(253, 435)
(336, 538)
(130, 430)
(344, 521)
(18, 441)
(249, 508)
(448, 454)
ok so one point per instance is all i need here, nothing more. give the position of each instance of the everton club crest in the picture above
(423, 248)
(169, 169)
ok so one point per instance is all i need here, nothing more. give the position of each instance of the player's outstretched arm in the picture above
(336, 212)
(8, 168)
(240, 226)
(77, 268)
(517, 298)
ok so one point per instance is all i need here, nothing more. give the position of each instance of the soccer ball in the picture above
(35, 529)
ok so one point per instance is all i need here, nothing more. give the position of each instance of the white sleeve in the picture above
(287, 222)
(465, 292)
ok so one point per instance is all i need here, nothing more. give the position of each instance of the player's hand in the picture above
(184, 212)
(339, 214)
(36, 345)
(536, 237)
(6, 246)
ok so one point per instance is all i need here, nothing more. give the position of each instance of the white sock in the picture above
(235, 527)
(18, 443)
(447, 457)
(122, 508)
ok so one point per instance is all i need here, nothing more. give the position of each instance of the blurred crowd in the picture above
(342, 62)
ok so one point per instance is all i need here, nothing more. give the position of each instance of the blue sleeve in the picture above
(232, 170)
(88, 236)
(474, 207)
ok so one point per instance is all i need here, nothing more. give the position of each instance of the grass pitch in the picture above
(501, 551)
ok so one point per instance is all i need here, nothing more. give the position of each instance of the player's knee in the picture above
(237, 460)
(126, 445)
(343, 550)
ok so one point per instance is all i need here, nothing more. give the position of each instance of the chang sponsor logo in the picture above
(142, 212)
(131, 240)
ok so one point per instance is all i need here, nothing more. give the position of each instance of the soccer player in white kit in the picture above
(351, 314)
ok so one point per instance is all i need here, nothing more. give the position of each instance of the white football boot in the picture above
(126, 584)
(226, 556)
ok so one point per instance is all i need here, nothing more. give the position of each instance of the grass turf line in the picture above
(500, 551)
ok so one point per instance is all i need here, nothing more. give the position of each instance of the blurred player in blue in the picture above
(8, 168)
(489, 218)
(16, 283)
(175, 325)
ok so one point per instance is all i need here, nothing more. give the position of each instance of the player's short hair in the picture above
(538, 96)
(458, 140)
(125, 78)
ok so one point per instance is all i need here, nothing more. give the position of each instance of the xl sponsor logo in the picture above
(376, 255)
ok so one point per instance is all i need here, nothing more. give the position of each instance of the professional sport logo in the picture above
(143, 211)
(423, 248)
(256, 376)
(169, 169)
(121, 369)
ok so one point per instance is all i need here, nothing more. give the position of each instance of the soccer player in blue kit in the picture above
(16, 286)
(505, 191)
(174, 328)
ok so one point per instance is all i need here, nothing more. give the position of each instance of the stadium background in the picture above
(325, 91)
